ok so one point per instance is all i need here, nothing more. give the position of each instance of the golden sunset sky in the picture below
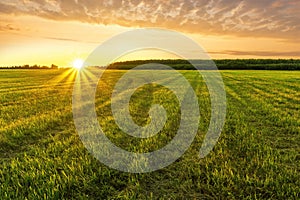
(59, 31)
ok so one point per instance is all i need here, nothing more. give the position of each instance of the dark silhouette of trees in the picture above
(30, 67)
(54, 66)
(222, 64)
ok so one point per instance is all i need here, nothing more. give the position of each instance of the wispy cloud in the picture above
(257, 53)
(267, 18)
(9, 27)
(69, 40)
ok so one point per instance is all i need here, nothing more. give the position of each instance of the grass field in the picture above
(256, 157)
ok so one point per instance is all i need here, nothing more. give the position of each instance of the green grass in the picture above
(256, 157)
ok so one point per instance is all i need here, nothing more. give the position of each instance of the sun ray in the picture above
(60, 78)
(64, 80)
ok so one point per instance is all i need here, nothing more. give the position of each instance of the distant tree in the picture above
(35, 67)
(54, 66)
(26, 66)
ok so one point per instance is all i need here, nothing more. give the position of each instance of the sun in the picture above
(78, 64)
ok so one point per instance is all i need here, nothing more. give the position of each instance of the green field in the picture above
(256, 157)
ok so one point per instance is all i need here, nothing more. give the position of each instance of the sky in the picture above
(59, 31)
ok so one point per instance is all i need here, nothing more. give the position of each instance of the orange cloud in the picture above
(268, 18)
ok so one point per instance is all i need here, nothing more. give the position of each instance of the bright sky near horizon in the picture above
(59, 31)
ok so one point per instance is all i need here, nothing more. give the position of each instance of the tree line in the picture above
(30, 67)
(222, 64)
(180, 64)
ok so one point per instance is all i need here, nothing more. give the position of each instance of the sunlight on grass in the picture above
(41, 155)
(66, 76)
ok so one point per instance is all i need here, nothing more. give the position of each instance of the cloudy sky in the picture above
(59, 31)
